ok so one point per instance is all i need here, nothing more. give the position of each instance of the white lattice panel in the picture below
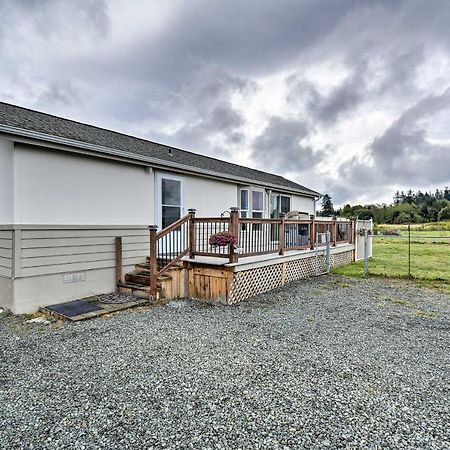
(251, 282)
(339, 259)
(300, 268)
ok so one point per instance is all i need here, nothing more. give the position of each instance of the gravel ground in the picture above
(323, 363)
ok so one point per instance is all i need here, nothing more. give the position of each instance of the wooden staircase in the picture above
(137, 283)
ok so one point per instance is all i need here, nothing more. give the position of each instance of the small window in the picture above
(244, 207)
(257, 208)
(285, 204)
(244, 200)
(257, 201)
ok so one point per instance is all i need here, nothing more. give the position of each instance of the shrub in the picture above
(403, 218)
(444, 214)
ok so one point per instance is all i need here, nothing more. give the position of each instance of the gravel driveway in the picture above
(323, 363)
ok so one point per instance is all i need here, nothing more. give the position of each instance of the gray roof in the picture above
(27, 119)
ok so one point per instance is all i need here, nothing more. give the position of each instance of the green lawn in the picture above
(430, 258)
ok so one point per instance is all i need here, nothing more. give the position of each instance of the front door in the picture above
(169, 201)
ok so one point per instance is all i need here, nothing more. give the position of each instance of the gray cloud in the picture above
(281, 147)
(403, 154)
(328, 108)
(175, 79)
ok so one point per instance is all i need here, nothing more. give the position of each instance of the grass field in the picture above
(430, 258)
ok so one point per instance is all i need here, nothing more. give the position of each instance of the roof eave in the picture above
(148, 160)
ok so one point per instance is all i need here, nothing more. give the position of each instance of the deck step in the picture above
(137, 278)
(141, 278)
(134, 289)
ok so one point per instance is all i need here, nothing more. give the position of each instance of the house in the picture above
(68, 189)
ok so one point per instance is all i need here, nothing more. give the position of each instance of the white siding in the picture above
(54, 187)
(47, 251)
(305, 204)
(44, 254)
(6, 253)
(6, 182)
(208, 196)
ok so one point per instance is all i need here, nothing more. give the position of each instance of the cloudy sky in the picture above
(349, 97)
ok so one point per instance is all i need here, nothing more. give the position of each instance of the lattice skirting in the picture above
(340, 259)
(249, 283)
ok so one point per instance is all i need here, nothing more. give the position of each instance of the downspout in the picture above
(315, 201)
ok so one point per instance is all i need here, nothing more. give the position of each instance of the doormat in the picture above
(91, 307)
(75, 308)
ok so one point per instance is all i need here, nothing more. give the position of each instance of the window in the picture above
(257, 208)
(257, 204)
(244, 203)
(285, 204)
(244, 207)
(170, 201)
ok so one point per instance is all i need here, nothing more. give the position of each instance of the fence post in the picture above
(334, 230)
(281, 234)
(350, 232)
(409, 250)
(366, 252)
(191, 235)
(234, 230)
(327, 252)
(153, 262)
(312, 232)
(118, 246)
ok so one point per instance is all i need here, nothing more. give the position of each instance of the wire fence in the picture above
(411, 253)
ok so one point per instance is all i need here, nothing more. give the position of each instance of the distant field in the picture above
(430, 258)
(438, 228)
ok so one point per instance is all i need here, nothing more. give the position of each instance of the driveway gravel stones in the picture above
(325, 362)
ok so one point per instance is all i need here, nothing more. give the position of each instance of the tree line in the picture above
(407, 207)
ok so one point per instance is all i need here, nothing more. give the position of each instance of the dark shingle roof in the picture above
(27, 119)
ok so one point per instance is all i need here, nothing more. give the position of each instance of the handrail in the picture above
(167, 249)
(172, 226)
(254, 220)
(211, 219)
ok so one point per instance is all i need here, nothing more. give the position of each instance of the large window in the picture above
(251, 205)
(279, 204)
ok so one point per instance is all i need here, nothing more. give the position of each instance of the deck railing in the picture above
(190, 235)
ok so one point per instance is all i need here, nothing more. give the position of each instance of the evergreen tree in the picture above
(446, 193)
(327, 206)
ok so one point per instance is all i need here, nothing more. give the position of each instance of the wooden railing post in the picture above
(234, 230)
(334, 230)
(191, 236)
(118, 246)
(153, 262)
(282, 236)
(350, 231)
(312, 232)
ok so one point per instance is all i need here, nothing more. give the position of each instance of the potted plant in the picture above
(222, 239)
